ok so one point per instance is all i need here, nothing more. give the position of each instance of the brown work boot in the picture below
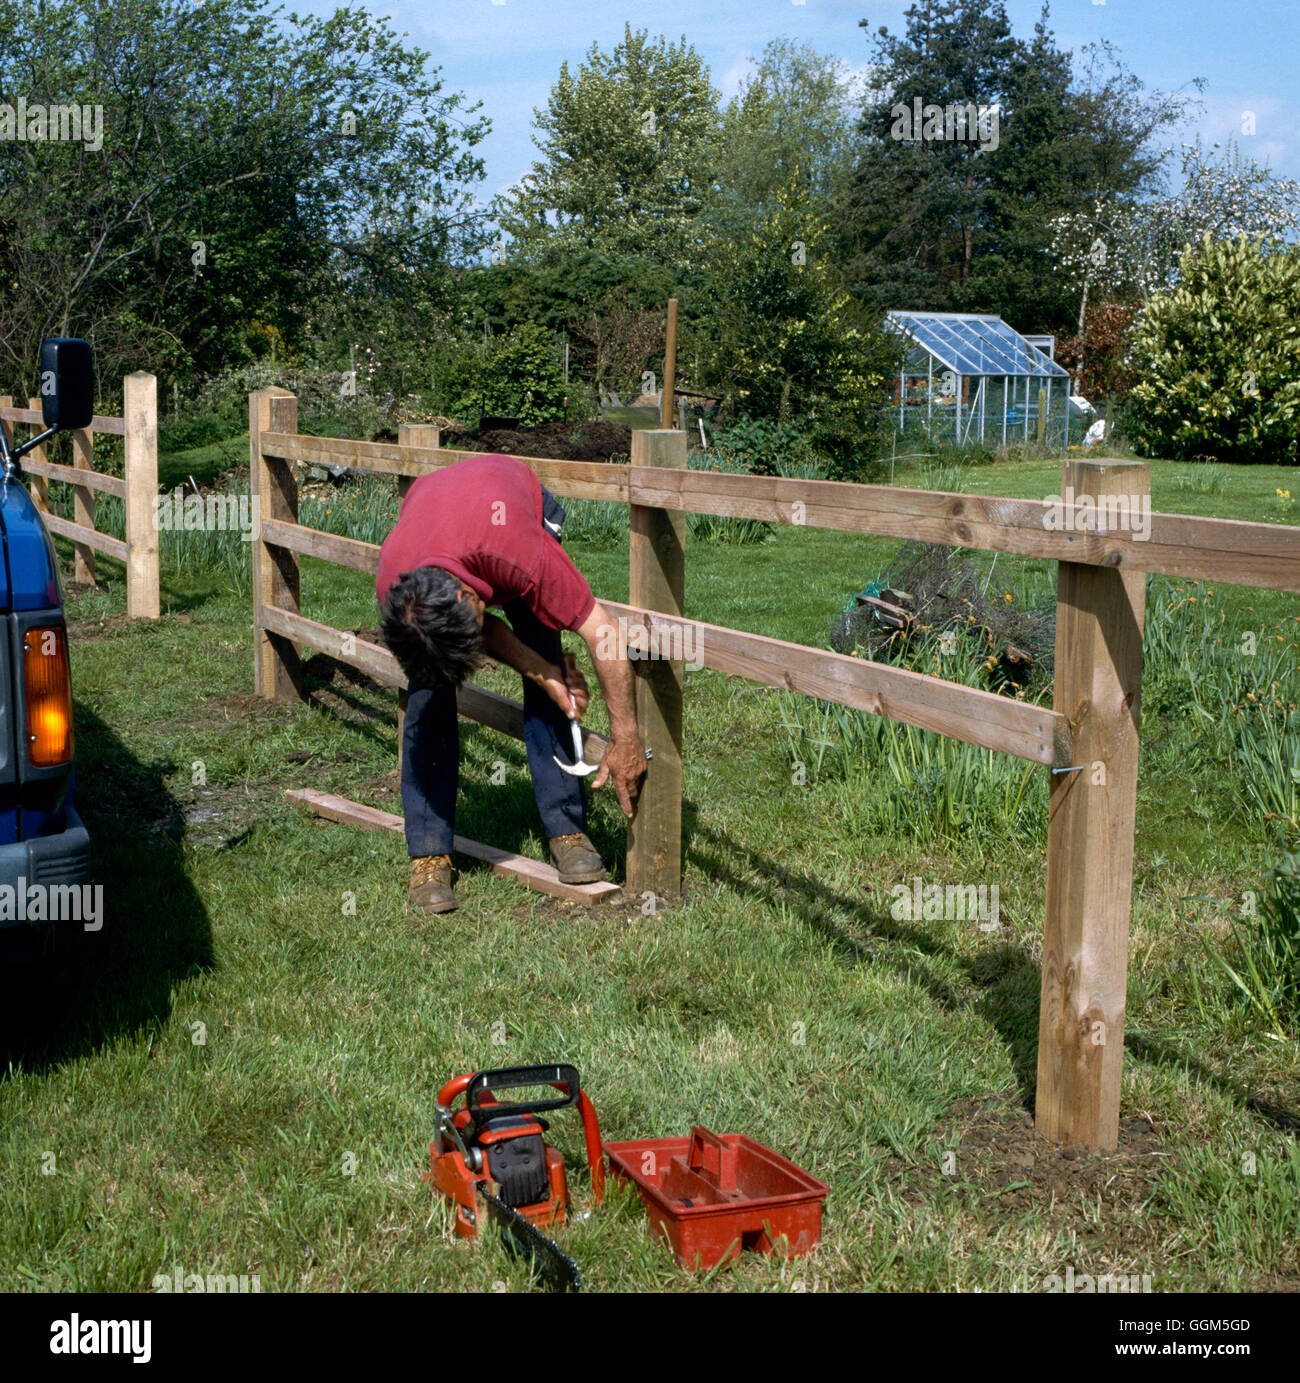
(576, 859)
(431, 880)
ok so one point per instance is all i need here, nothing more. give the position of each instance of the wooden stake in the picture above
(1091, 819)
(657, 582)
(83, 505)
(415, 435)
(140, 412)
(37, 484)
(277, 669)
(669, 380)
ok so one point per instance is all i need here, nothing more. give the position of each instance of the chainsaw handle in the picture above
(595, 1152)
(489, 1083)
(540, 1075)
(453, 1090)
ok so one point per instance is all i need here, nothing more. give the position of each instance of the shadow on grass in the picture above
(1007, 976)
(68, 996)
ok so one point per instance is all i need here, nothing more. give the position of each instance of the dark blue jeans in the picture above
(431, 745)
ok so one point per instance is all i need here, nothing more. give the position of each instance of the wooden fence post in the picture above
(37, 485)
(140, 448)
(657, 582)
(1091, 818)
(277, 669)
(411, 435)
(669, 381)
(83, 505)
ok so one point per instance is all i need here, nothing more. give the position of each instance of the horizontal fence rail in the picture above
(1099, 530)
(137, 488)
(914, 698)
(1231, 551)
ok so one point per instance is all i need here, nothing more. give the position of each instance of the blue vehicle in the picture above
(42, 839)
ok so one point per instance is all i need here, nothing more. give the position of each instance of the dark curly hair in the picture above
(431, 632)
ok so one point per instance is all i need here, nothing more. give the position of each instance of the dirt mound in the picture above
(590, 441)
(1000, 1157)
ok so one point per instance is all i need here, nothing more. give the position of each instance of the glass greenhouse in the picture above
(968, 377)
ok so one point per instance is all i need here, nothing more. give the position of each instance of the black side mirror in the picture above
(67, 382)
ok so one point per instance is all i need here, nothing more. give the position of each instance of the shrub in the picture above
(517, 375)
(198, 430)
(1217, 357)
(760, 446)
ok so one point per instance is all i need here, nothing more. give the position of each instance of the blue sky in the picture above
(508, 54)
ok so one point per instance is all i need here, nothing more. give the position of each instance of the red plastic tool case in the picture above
(712, 1195)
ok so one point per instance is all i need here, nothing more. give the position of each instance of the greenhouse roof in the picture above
(970, 343)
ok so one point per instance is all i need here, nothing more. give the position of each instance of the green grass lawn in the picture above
(242, 1077)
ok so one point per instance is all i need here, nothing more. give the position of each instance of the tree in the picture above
(517, 374)
(781, 338)
(1218, 356)
(917, 202)
(1123, 251)
(1131, 249)
(792, 123)
(628, 145)
(942, 222)
(246, 163)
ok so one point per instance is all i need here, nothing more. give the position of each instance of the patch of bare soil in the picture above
(589, 441)
(1014, 1170)
(87, 628)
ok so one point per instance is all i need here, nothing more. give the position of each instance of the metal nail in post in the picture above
(578, 767)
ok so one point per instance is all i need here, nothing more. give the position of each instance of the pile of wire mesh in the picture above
(932, 596)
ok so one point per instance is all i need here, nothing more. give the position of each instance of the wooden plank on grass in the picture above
(541, 878)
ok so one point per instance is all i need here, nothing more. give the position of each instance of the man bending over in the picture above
(482, 533)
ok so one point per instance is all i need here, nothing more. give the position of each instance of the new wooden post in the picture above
(83, 505)
(277, 669)
(1091, 817)
(669, 380)
(411, 435)
(140, 411)
(657, 582)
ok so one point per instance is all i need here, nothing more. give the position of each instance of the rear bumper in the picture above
(56, 865)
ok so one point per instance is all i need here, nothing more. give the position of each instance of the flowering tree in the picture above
(1127, 252)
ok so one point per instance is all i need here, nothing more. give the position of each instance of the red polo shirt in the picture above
(481, 520)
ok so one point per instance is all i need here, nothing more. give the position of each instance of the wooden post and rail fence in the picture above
(137, 488)
(1087, 739)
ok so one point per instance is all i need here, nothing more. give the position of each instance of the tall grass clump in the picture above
(914, 782)
(1265, 966)
(1239, 686)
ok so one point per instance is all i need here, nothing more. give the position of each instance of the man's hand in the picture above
(624, 765)
(567, 687)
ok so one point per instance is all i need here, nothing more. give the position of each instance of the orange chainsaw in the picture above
(488, 1140)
